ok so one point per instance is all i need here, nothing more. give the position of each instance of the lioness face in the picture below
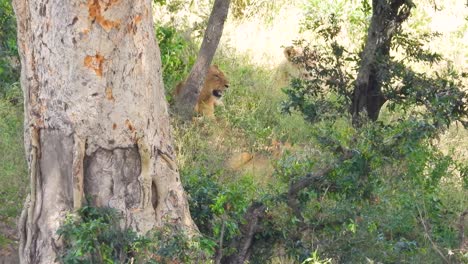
(290, 53)
(216, 82)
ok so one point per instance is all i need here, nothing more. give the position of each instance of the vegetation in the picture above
(12, 162)
(94, 235)
(9, 70)
(389, 191)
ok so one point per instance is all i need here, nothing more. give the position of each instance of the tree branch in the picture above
(243, 243)
(256, 212)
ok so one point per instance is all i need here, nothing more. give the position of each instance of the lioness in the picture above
(211, 93)
(259, 163)
(301, 60)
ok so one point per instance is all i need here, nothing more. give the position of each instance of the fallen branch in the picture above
(311, 179)
(301, 184)
(243, 243)
(256, 212)
(428, 236)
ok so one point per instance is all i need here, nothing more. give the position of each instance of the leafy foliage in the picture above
(13, 168)
(177, 55)
(94, 235)
(245, 9)
(326, 90)
(217, 210)
(396, 171)
(371, 203)
(9, 63)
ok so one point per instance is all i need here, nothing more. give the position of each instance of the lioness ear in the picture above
(216, 66)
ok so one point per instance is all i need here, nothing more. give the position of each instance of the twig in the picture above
(463, 246)
(426, 230)
(243, 243)
(219, 254)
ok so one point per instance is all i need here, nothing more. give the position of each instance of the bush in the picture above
(177, 56)
(217, 209)
(384, 204)
(9, 61)
(94, 235)
(13, 168)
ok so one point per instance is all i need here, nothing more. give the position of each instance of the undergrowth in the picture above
(95, 235)
(13, 168)
(398, 200)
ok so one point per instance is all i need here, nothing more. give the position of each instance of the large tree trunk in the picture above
(188, 98)
(387, 17)
(96, 123)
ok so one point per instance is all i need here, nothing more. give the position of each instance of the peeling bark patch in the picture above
(111, 177)
(129, 125)
(133, 25)
(95, 14)
(173, 199)
(56, 165)
(109, 95)
(114, 126)
(137, 19)
(95, 63)
(84, 32)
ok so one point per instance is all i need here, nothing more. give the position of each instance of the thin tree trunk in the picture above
(188, 98)
(244, 241)
(387, 17)
(96, 122)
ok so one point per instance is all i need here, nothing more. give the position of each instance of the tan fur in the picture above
(297, 68)
(257, 163)
(215, 81)
(290, 53)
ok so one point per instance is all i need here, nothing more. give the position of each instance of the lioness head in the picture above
(290, 53)
(215, 81)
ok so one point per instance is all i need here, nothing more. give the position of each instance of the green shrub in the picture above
(217, 209)
(9, 61)
(327, 89)
(373, 205)
(94, 235)
(177, 56)
(13, 168)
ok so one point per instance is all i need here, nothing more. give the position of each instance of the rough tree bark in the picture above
(96, 121)
(185, 105)
(387, 17)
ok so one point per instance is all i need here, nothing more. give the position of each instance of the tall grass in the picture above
(13, 168)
